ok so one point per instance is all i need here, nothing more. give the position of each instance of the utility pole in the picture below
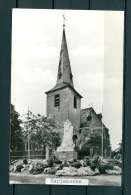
(102, 135)
(28, 137)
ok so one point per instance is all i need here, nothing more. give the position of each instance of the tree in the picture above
(120, 147)
(42, 130)
(15, 123)
(118, 151)
(94, 140)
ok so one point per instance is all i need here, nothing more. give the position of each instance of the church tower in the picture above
(63, 101)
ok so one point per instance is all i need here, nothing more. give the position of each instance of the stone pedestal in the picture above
(66, 155)
(66, 150)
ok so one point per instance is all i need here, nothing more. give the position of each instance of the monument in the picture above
(66, 150)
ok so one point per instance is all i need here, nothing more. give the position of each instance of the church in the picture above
(64, 102)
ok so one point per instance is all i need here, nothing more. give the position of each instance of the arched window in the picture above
(57, 100)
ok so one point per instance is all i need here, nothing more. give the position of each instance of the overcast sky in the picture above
(95, 45)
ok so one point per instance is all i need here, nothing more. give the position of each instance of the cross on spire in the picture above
(64, 19)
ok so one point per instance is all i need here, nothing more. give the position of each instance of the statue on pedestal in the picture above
(67, 142)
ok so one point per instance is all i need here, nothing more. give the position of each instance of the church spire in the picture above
(64, 69)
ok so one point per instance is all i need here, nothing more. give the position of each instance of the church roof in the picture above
(63, 85)
(86, 111)
(58, 86)
(95, 119)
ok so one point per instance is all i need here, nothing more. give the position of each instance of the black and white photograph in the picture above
(66, 111)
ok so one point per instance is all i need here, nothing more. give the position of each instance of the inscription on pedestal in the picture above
(68, 155)
(62, 155)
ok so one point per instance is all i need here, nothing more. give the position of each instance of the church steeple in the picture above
(63, 101)
(64, 69)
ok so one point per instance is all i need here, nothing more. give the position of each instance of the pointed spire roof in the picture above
(64, 69)
(64, 75)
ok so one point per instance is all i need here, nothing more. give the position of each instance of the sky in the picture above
(95, 46)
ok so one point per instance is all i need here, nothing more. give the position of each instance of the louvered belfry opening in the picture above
(57, 100)
(75, 102)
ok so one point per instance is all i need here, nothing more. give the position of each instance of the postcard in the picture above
(66, 97)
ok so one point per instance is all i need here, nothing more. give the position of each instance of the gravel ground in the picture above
(26, 178)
